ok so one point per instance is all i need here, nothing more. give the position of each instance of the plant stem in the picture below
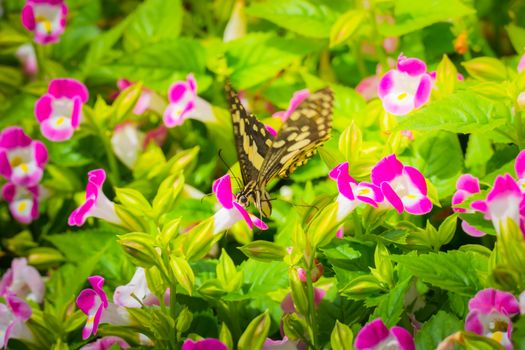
(357, 224)
(519, 126)
(311, 303)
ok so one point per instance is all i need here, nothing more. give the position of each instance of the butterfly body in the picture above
(263, 157)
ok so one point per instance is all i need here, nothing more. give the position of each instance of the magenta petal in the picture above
(411, 66)
(371, 334)
(458, 198)
(386, 84)
(480, 206)
(192, 83)
(423, 91)
(417, 179)
(473, 323)
(259, 223)
(97, 282)
(78, 216)
(468, 183)
(86, 300)
(471, 230)
(13, 137)
(5, 166)
(392, 197)
(204, 344)
(504, 186)
(422, 206)
(19, 307)
(244, 214)
(76, 113)
(490, 299)
(43, 107)
(8, 192)
(68, 88)
(341, 175)
(176, 91)
(222, 188)
(520, 163)
(55, 135)
(404, 338)
(41, 155)
(28, 17)
(387, 169)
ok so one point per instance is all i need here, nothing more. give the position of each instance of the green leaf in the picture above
(152, 22)
(411, 16)
(264, 251)
(486, 68)
(307, 18)
(440, 159)
(391, 305)
(517, 37)
(479, 151)
(456, 271)
(258, 57)
(436, 329)
(183, 273)
(255, 334)
(460, 112)
(341, 337)
(346, 26)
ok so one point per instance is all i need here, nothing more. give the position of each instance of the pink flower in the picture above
(59, 111)
(203, 344)
(521, 64)
(490, 313)
(404, 187)
(284, 344)
(184, 104)
(94, 303)
(298, 97)
(375, 336)
(519, 167)
(106, 343)
(368, 87)
(46, 19)
(96, 203)
(148, 99)
(406, 88)
(137, 288)
(23, 202)
(127, 142)
(22, 160)
(26, 55)
(466, 186)
(231, 211)
(503, 202)
(351, 193)
(22, 280)
(13, 316)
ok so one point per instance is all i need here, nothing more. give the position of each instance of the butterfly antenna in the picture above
(229, 169)
(292, 204)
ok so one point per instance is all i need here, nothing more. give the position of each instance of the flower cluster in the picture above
(46, 19)
(22, 162)
(504, 201)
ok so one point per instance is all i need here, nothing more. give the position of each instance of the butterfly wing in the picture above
(252, 140)
(307, 128)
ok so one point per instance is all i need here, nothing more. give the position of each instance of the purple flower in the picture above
(404, 187)
(298, 97)
(96, 203)
(22, 280)
(59, 111)
(23, 202)
(13, 316)
(184, 104)
(284, 344)
(137, 288)
(46, 19)
(26, 55)
(406, 88)
(106, 343)
(127, 142)
(351, 193)
(503, 202)
(22, 160)
(466, 186)
(148, 99)
(203, 344)
(375, 336)
(490, 313)
(231, 211)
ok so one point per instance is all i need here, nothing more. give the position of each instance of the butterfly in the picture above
(263, 157)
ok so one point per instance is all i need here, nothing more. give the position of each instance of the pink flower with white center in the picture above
(26, 55)
(376, 336)
(466, 186)
(490, 313)
(106, 343)
(351, 193)
(148, 99)
(13, 316)
(96, 203)
(59, 111)
(22, 280)
(94, 303)
(137, 288)
(288, 306)
(503, 202)
(23, 202)
(46, 19)
(404, 187)
(204, 344)
(231, 211)
(22, 159)
(297, 98)
(406, 88)
(127, 142)
(521, 64)
(284, 344)
(184, 104)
